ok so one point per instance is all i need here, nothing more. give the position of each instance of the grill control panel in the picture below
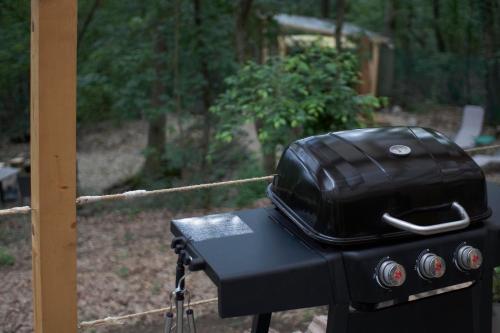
(399, 270)
(391, 274)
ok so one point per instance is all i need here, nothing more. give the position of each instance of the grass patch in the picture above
(6, 259)
(123, 272)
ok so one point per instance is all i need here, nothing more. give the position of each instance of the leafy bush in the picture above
(496, 284)
(14, 68)
(302, 94)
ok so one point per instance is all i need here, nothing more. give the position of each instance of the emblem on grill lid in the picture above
(400, 150)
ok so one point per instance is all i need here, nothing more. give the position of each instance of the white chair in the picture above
(472, 125)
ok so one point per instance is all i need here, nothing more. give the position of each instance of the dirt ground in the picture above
(107, 154)
(125, 264)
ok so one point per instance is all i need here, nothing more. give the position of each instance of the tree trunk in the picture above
(263, 52)
(339, 22)
(436, 12)
(268, 152)
(492, 80)
(206, 97)
(386, 67)
(325, 8)
(468, 53)
(242, 15)
(156, 148)
(87, 21)
(406, 45)
(390, 18)
(207, 86)
(268, 155)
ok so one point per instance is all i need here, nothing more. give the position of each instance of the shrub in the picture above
(302, 94)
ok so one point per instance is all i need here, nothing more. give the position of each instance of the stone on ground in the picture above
(318, 325)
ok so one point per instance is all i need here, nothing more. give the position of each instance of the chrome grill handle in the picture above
(431, 229)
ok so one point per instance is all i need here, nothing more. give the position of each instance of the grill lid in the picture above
(368, 184)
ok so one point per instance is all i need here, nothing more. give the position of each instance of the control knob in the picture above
(431, 266)
(468, 258)
(391, 274)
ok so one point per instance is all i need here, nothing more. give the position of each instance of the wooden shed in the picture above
(375, 50)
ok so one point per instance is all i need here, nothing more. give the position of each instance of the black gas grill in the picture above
(390, 227)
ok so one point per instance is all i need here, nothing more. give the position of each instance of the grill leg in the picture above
(337, 318)
(261, 322)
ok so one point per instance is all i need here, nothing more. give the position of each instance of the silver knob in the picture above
(431, 266)
(468, 258)
(391, 274)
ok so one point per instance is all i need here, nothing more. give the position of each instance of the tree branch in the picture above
(88, 19)
(242, 16)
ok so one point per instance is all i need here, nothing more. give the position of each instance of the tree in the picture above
(14, 67)
(82, 29)
(339, 22)
(325, 8)
(207, 89)
(491, 54)
(304, 94)
(157, 124)
(436, 11)
(242, 16)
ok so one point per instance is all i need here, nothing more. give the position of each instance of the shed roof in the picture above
(326, 27)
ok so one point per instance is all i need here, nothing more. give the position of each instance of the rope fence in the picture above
(476, 149)
(15, 211)
(86, 199)
(118, 320)
(143, 193)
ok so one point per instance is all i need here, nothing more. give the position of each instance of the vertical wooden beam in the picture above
(365, 57)
(375, 68)
(53, 164)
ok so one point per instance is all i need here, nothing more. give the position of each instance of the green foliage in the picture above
(14, 66)
(116, 52)
(116, 60)
(119, 66)
(117, 57)
(303, 94)
(6, 259)
(441, 50)
(247, 194)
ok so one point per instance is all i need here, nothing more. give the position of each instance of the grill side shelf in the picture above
(265, 270)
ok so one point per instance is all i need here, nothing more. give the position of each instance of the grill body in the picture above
(336, 187)
(354, 215)
(274, 266)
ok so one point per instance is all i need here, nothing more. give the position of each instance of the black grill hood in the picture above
(337, 187)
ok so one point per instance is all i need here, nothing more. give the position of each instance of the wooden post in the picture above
(375, 63)
(53, 164)
(365, 56)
